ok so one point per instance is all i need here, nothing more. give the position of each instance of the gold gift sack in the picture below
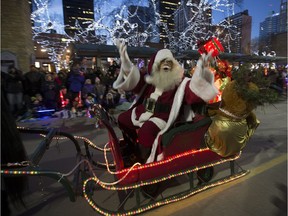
(227, 136)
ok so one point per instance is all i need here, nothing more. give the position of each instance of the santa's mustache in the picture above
(166, 65)
(166, 68)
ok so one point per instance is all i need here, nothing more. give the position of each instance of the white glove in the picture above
(126, 64)
(205, 60)
(203, 65)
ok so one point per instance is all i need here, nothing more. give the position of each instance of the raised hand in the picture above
(203, 65)
(126, 64)
(205, 60)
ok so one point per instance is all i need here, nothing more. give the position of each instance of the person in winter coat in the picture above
(33, 81)
(50, 92)
(75, 81)
(14, 90)
(88, 88)
(99, 90)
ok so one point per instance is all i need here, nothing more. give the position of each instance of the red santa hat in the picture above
(158, 57)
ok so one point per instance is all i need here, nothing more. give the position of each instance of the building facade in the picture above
(166, 10)
(146, 22)
(283, 17)
(16, 35)
(182, 15)
(273, 31)
(242, 36)
(192, 23)
(82, 11)
(269, 26)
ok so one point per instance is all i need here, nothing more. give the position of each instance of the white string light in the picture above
(121, 22)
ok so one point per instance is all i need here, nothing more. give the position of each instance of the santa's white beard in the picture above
(166, 80)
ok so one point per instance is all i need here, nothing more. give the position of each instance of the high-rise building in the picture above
(166, 10)
(80, 10)
(241, 32)
(279, 41)
(146, 22)
(184, 18)
(271, 27)
(283, 17)
(182, 15)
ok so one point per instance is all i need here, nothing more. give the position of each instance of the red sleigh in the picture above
(140, 187)
(185, 154)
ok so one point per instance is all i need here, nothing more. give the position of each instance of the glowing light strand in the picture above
(111, 186)
(166, 201)
(89, 142)
(159, 163)
(92, 203)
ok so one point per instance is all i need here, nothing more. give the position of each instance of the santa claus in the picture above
(162, 94)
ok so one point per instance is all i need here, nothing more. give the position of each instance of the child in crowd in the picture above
(90, 101)
(37, 102)
(50, 91)
(88, 88)
(77, 107)
(109, 103)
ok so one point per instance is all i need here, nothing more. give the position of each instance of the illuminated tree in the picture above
(127, 19)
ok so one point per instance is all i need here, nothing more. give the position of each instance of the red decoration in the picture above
(63, 101)
(222, 72)
(80, 99)
(224, 68)
(213, 44)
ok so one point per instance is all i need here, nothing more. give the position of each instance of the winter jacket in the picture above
(33, 82)
(75, 82)
(14, 83)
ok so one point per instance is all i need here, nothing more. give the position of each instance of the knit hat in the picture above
(158, 57)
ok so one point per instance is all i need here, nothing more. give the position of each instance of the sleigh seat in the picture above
(185, 136)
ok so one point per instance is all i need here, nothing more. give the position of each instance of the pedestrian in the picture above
(33, 81)
(14, 89)
(99, 90)
(75, 80)
(88, 88)
(50, 92)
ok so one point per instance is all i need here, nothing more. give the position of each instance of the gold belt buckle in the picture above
(150, 105)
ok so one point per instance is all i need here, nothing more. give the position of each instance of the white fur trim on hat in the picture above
(163, 54)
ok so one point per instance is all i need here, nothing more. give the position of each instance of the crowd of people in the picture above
(68, 93)
(71, 93)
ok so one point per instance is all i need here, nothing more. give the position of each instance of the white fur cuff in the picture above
(129, 82)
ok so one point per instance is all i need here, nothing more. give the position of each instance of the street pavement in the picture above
(262, 192)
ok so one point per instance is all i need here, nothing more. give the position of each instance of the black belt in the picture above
(151, 105)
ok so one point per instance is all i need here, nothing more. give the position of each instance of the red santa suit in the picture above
(156, 110)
